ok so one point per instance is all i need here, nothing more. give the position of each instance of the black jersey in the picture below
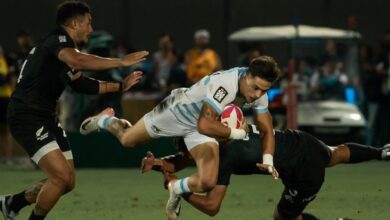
(43, 76)
(293, 149)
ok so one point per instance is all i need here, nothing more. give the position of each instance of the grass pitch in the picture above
(359, 191)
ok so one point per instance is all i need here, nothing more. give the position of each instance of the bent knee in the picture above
(127, 142)
(64, 180)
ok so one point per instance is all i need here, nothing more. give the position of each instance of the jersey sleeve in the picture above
(261, 104)
(221, 91)
(56, 42)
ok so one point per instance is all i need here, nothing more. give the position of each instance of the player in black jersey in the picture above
(300, 158)
(50, 66)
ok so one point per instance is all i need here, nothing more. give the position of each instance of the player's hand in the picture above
(131, 80)
(134, 58)
(269, 169)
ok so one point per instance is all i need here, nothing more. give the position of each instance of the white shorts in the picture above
(165, 124)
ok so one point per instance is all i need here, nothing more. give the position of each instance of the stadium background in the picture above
(140, 23)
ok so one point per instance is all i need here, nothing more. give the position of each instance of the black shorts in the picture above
(306, 179)
(38, 135)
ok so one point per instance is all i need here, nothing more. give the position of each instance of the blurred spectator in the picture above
(25, 43)
(162, 62)
(371, 85)
(383, 68)
(328, 82)
(248, 51)
(5, 93)
(177, 77)
(15, 59)
(201, 60)
(249, 55)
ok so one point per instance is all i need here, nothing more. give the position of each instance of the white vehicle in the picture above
(329, 119)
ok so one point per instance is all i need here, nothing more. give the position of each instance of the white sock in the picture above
(181, 186)
(105, 120)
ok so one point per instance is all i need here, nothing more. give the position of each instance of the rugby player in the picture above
(299, 157)
(50, 66)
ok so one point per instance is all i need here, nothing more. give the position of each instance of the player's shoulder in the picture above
(57, 36)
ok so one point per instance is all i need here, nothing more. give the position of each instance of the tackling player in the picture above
(300, 158)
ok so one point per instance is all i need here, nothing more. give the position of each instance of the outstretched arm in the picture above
(91, 86)
(264, 121)
(83, 61)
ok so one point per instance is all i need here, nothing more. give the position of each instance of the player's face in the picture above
(84, 28)
(253, 87)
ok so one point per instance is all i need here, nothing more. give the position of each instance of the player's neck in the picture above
(70, 32)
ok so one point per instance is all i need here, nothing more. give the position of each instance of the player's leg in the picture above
(128, 135)
(205, 152)
(356, 153)
(5, 135)
(206, 157)
(60, 180)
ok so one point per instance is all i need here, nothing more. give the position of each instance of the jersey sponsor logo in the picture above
(40, 135)
(62, 38)
(220, 94)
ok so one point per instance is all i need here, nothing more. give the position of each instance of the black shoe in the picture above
(8, 214)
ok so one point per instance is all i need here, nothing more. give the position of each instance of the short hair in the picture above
(264, 67)
(70, 9)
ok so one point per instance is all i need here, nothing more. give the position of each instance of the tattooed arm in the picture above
(209, 125)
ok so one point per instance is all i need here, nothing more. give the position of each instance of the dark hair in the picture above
(264, 67)
(70, 9)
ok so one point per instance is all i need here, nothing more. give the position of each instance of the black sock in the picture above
(34, 216)
(360, 153)
(18, 202)
(186, 195)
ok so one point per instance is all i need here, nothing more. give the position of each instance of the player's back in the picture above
(43, 76)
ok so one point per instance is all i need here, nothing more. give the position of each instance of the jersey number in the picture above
(32, 51)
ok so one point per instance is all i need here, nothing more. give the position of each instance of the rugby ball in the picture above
(232, 116)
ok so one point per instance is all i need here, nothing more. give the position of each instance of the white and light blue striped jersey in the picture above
(218, 89)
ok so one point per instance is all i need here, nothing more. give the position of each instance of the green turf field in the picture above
(360, 191)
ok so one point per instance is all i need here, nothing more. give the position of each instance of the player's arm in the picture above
(209, 125)
(211, 203)
(83, 61)
(91, 86)
(264, 121)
